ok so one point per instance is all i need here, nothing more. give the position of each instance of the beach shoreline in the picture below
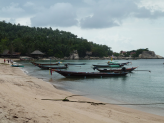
(23, 99)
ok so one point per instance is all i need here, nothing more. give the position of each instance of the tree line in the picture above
(55, 43)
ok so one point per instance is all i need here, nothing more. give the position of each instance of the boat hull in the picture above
(39, 64)
(113, 63)
(109, 66)
(76, 63)
(52, 67)
(117, 70)
(17, 66)
(89, 74)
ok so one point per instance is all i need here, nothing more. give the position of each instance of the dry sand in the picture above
(21, 102)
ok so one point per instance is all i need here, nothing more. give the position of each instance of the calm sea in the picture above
(142, 90)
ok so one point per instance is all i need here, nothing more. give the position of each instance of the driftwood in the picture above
(67, 100)
(93, 103)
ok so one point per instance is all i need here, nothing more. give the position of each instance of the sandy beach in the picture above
(26, 99)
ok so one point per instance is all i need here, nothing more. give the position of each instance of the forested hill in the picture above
(56, 43)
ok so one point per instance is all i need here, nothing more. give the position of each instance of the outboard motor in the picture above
(66, 65)
(123, 69)
(94, 68)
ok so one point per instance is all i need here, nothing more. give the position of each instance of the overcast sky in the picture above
(120, 24)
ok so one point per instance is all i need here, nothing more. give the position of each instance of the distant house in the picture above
(94, 57)
(37, 54)
(7, 53)
(88, 53)
(122, 52)
(132, 53)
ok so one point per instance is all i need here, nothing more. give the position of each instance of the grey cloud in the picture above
(89, 13)
(60, 14)
(97, 22)
(12, 10)
(106, 13)
(144, 13)
(17, 10)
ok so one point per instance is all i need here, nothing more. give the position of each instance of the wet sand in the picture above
(26, 99)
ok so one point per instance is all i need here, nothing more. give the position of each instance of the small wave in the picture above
(25, 71)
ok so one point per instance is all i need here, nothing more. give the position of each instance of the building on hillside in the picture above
(88, 53)
(132, 53)
(37, 54)
(7, 53)
(122, 52)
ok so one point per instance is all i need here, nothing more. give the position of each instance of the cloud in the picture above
(29, 4)
(12, 11)
(87, 14)
(97, 22)
(110, 13)
(60, 14)
(145, 13)
(17, 12)
(153, 5)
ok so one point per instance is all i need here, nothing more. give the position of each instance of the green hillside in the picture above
(56, 43)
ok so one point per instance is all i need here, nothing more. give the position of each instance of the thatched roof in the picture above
(5, 52)
(37, 52)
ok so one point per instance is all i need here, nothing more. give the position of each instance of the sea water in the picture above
(142, 89)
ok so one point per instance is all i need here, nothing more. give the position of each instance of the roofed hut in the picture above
(37, 54)
(7, 53)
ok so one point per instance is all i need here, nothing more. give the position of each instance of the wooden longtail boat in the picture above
(41, 64)
(88, 74)
(52, 67)
(17, 65)
(76, 63)
(110, 66)
(114, 63)
(117, 70)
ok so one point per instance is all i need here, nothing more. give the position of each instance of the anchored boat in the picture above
(116, 70)
(114, 63)
(88, 74)
(17, 65)
(41, 64)
(109, 66)
(53, 67)
(75, 63)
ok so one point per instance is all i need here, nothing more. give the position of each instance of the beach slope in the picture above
(26, 99)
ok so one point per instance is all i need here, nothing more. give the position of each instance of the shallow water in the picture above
(142, 90)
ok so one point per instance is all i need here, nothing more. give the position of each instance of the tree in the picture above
(3, 45)
(25, 39)
(116, 54)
